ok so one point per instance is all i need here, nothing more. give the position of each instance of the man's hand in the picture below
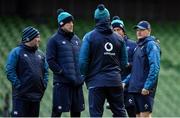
(144, 91)
(123, 85)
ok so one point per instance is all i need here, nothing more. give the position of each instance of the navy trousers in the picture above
(23, 108)
(114, 96)
(67, 99)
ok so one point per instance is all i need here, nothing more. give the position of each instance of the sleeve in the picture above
(11, 68)
(153, 53)
(51, 57)
(131, 53)
(46, 74)
(84, 55)
(126, 80)
(124, 56)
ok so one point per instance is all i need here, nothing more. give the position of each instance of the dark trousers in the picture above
(114, 96)
(67, 99)
(73, 114)
(129, 104)
(23, 108)
(131, 111)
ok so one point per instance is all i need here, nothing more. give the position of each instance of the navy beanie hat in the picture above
(101, 13)
(117, 22)
(64, 17)
(29, 33)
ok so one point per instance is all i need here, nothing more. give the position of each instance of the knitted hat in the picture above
(64, 17)
(116, 22)
(29, 33)
(101, 13)
(143, 25)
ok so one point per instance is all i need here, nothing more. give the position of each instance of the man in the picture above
(118, 27)
(145, 70)
(63, 59)
(102, 56)
(27, 70)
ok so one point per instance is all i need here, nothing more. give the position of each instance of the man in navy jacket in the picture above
(27, 70)
(102, 56)
(146, 66)
(118, 27)
(63, 59)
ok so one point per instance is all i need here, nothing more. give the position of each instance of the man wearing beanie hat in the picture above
(27, 70)
(144, 74)
(103, 54)
(62, 56)
(118, 27)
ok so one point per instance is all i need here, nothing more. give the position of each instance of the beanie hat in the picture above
(29, 33)
(101, 13)
(64, 17)
(116, 22)
(143, 25)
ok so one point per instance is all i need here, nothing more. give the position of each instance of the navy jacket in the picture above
(102, 56)
(27, 70)
(146, 66)
(63, 58)
(130, 46)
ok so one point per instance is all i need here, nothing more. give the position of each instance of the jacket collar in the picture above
(30, 49)
(126, 38)
(69, 35)
(142, 41)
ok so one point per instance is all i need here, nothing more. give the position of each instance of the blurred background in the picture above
(163, 15)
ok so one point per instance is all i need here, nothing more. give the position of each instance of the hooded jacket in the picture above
(102, 56)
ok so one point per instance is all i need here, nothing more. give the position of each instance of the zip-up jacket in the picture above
(146, 66)
(130, 46)
(63, 58)
(27, 70)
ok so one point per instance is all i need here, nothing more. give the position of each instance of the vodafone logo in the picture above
(108, 47)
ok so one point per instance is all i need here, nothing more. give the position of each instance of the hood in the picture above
(104, 26)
